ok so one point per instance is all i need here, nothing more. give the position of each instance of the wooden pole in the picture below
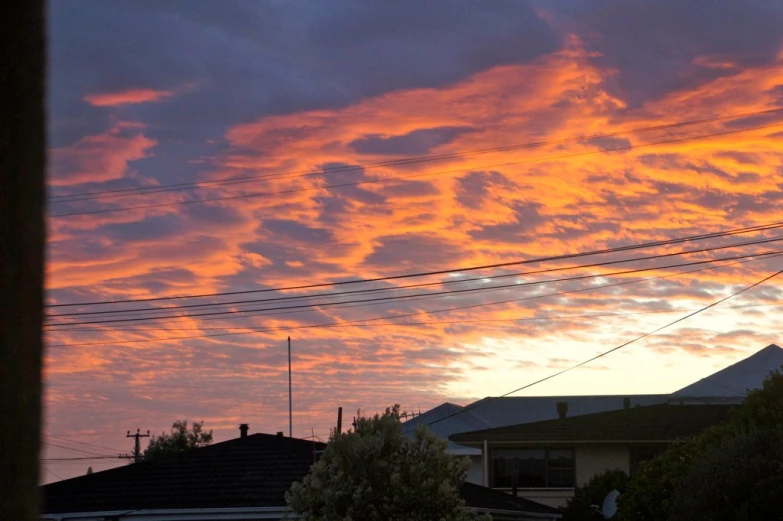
(290, 401)
(339, 420)
(22, 242)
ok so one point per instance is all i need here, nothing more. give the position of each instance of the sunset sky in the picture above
(311, 129)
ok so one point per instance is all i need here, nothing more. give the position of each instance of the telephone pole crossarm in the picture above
(137, 443)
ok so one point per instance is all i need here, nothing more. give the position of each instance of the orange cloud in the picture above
(98, 158)
(127, 97)
(532, 202)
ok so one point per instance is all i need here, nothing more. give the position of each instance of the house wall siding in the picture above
(476, 471)
(594, 460)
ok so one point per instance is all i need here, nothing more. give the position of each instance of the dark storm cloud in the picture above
(410, 189)
(407, 251)
(151, 228)
(418, 142)
(476, 187)
(234, 62)
(287, 230)
(608, 143)
(528, 219)
(659, 46)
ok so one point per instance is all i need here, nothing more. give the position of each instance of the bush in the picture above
(579, 507)
(377, 474)
(693, 477)
(738, 479)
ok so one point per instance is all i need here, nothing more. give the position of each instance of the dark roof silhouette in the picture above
(476, 496)
(243, 472)
(254, 471)
(737, 379)
(654, 423)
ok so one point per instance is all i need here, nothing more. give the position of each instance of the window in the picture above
(532, 468)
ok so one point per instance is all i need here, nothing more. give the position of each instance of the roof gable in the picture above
(738, 378)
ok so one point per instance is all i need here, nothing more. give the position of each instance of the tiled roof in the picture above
(254, 471)
(251, 471)
(662, 423)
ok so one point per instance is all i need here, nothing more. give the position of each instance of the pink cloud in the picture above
(97, 158)
(127, 97)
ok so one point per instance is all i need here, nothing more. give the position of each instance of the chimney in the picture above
(243, 430)
(562, 409)
(279, 434)
(626, 403)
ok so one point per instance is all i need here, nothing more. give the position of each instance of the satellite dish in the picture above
(610, 504)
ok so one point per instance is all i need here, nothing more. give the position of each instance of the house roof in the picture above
(485, 498)
(254, 471)
(512, 410)
(738, 378)
(654, 423)
(456, 420)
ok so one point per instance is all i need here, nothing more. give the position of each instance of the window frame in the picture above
(547, 467)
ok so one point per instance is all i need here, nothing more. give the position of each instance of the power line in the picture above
(84, 458)
(386, 300)
(71, 449)
(605, 353)
(433, 322)
(567, 256)
(414, 176)
(352, 323)
(124, 192)
(399, 288)
(47, 469)
(69, 440)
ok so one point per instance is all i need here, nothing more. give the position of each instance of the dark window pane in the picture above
(517, 467)
(560, 478)
(532, 468)
(501, 471)
(563, 459)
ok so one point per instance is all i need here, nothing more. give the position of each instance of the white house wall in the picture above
(592, 460)
(476, 471)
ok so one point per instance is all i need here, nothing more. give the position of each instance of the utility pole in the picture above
(290, 402)
(339, 421)
(23, 232)
(137, 446)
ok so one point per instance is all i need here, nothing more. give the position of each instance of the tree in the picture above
(738, 479)
(649, 492)
(661, 485)
(762, 408)
(179, 439)
(580, 506)
(376, 474)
